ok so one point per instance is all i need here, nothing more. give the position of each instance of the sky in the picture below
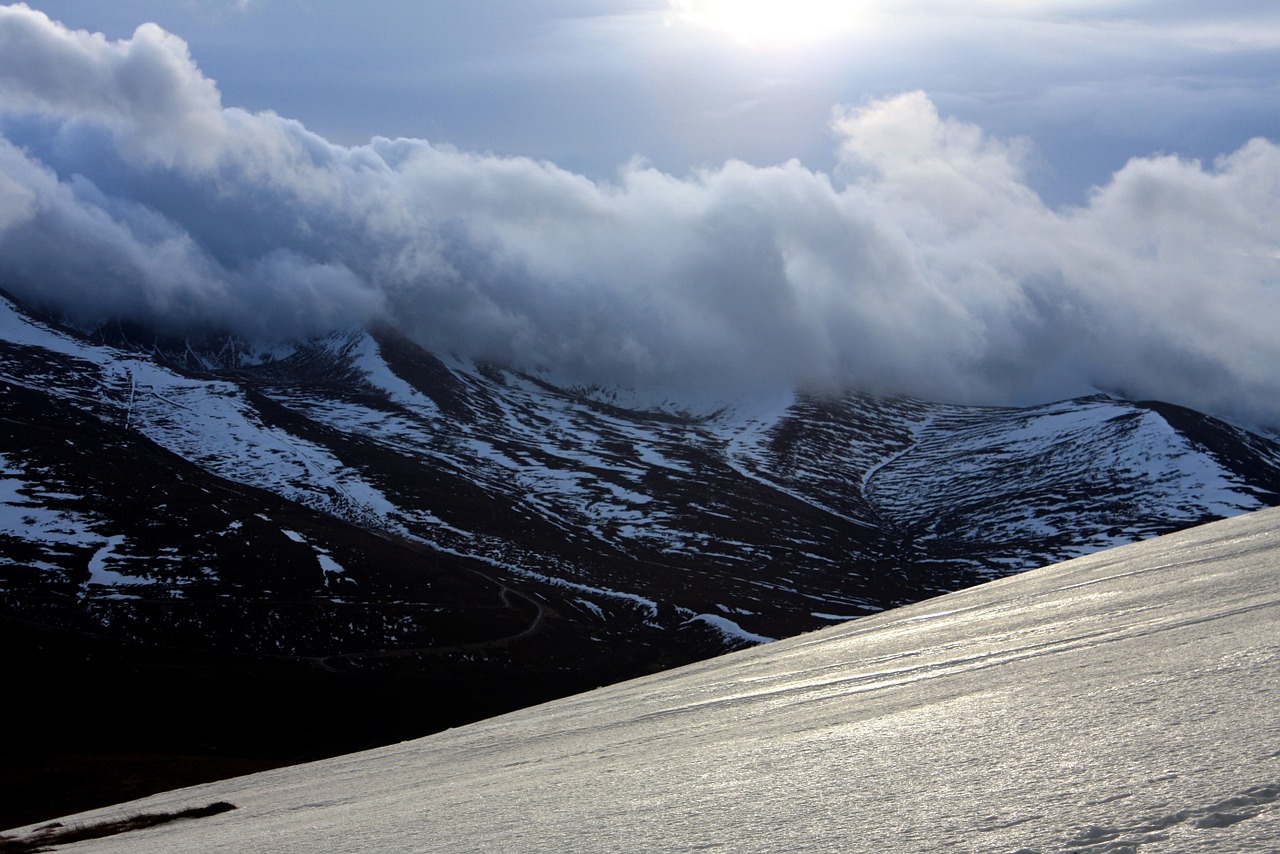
(994, 201)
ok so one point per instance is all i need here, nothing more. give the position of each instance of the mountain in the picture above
(1120, 702)
(199, 534)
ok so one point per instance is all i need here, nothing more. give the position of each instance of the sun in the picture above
(769, 23)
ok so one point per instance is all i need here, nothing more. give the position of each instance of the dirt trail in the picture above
(505, 594)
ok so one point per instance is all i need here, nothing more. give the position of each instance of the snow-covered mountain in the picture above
(1120, 702)
(385, 517)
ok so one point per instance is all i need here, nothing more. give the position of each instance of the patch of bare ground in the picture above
(56, 833)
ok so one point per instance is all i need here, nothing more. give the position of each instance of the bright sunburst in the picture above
(768, 23)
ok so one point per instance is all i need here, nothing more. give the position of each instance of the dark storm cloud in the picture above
(924, 264)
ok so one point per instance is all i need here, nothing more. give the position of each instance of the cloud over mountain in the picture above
(923, 264)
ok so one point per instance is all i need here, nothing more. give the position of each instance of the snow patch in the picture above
(102, 576)
(329, 565)
(730, 630)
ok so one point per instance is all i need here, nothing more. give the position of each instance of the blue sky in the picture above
(588, 84)
(994, 201)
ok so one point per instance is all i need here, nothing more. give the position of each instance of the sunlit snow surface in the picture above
(1124, 701)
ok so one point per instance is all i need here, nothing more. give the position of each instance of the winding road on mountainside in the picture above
(505, 594)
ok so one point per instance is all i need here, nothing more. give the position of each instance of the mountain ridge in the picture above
(459, 540)
(500, 466)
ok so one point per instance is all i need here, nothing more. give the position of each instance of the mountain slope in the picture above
(780, 508)
(1118, 702)
(411, 542)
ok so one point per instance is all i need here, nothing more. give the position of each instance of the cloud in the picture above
(924, 264)
(143, 85)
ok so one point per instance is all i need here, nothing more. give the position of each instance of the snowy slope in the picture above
(1123, 701)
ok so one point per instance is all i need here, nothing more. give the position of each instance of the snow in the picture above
(220, 430)
(1049, 446)
(207, 421)
(330, 566)
(730, 630)
(23, 516)
(1124, 701)
(651, 456)
(368, 358)
(630, 482)
(100, 574)
(917, 430)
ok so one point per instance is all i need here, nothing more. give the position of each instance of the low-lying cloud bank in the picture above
(925, 265)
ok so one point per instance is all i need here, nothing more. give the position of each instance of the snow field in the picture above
(1123, 701)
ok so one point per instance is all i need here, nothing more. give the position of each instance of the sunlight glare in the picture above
(769, 23)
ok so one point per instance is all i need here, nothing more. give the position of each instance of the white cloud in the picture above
(17, 202)
(144, 85)
(925, 265)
